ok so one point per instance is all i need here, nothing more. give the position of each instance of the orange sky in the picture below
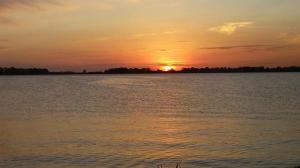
(98, 34)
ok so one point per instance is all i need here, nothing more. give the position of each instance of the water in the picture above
(140, 121)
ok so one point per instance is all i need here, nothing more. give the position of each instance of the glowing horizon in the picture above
(75, 35)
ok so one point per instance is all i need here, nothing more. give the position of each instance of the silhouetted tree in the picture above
(124, 70)
(22, 71)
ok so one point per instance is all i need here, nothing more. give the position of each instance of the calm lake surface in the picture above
(140, 121)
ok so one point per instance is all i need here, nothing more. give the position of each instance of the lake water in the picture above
(140, 121)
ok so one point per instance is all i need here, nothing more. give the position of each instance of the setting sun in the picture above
(168, 68)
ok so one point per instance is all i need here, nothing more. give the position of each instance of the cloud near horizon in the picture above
(253, 46)
(231, 27)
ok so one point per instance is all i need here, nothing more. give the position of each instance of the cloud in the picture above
(3, 48)
(135, 1)
(10, 6)
(164, 50)
(152, 34)
(292, 38)
(233, 47)
(6, 21)
(179, 64)
(169, 32)
(252, 47)
(4, 40)
(231, 27)
(184, 41)
(139, 35)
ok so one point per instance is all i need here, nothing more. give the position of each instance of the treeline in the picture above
(240, 69)
(124, 70)
(23, 71)
(205, 70)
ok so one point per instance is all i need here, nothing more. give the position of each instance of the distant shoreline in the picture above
(123, 70)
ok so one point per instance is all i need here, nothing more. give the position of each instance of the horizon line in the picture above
(125, 70)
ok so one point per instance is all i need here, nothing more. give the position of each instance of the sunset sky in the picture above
(99, 34)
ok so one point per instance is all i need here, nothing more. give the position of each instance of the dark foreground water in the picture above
(139, 121)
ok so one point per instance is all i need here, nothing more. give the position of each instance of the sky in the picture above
(100, 34)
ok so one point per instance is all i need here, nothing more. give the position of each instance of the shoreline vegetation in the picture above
(124, 70)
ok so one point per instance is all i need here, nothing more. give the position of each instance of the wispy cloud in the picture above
(231, 27)
(4, 40)
(6, 21)
(169, 32)
(252, 47)
(170, 63)
(3, 48)
(151, 34)
(135, 1)
(139, 35)
(292, 38)
(233, 47)
(9, 6)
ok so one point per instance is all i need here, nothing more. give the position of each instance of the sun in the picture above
(167, 68)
